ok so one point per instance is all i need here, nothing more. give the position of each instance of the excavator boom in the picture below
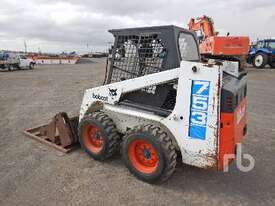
(204, 24)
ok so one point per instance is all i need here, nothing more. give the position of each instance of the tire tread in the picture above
(109, 128)
(166, 145)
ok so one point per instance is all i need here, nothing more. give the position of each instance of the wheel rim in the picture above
(259, 60)
(92, 138)
(143, 156)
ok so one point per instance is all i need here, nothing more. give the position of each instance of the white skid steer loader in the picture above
(159, 101)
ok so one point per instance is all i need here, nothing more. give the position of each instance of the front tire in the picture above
(149, 154)
(260, 60)
(31, 66)
(98, 136)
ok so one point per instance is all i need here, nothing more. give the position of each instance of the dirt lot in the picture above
(34, 174)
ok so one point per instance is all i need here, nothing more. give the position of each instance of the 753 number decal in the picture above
(199, 109)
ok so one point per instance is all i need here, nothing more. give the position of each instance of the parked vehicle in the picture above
(13, 61)
(262, 53)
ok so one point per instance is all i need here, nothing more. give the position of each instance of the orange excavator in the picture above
(212, 46)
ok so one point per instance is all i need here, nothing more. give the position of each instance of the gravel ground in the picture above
(34, 174)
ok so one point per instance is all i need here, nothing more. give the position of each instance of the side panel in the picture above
(226, 142)
(195, 119)
(233, 130)
(222, 45)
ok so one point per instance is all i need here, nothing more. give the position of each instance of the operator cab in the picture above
(141, 51)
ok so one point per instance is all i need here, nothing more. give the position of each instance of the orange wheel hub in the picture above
(143, 156)
(92, 138)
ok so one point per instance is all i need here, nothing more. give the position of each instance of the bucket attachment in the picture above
(60, 133)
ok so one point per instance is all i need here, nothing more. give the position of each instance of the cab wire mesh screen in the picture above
(137, 55)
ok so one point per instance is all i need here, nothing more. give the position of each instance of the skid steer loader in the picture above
(160, 101)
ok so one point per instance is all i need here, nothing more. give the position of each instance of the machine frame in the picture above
(206, 112)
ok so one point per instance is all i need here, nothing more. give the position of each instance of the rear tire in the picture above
(98, 136)
(149, 154)
(260, 60)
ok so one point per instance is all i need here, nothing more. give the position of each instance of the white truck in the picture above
(13, 61)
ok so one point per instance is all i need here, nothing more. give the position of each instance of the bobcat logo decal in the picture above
(112, 92)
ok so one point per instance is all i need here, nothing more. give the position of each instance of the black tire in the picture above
(107, 132)
(161, 144)
(17, 66)
(260, 60)
(31, 66)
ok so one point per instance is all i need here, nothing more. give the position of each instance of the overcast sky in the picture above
(56, 26)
